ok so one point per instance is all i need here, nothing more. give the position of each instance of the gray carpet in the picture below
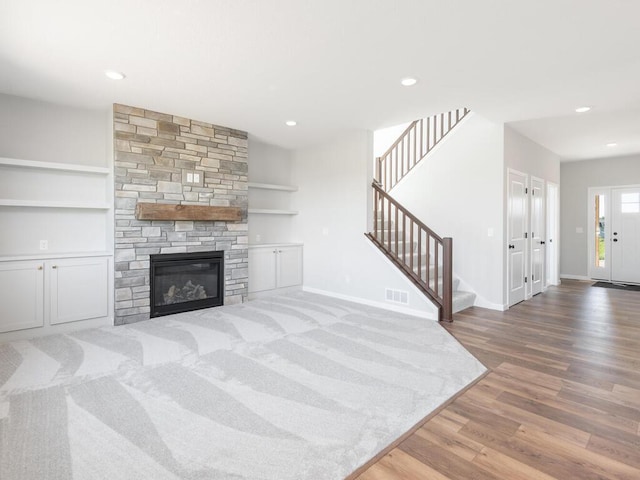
(298, 386)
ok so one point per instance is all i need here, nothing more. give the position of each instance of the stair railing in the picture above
(420, 137)
(404, 239)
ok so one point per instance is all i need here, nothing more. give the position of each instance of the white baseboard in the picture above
(276, 291)
(482, 303)
(574, 277)
(373, 303)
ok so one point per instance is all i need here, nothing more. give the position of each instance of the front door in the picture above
(625, 235)
(517, 227)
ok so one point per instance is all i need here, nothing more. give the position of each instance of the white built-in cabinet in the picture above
(78, 289)
(275, 255)
(21, 295)
(274, 266)
(276, 263)
(44, 293)
(56, 246)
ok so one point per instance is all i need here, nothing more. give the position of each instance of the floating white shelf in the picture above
(65, 167)
(46, 256)
(272, 186)
(4, 202)
(279, 244)
(268, 211)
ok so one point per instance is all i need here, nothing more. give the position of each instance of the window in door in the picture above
(630, 203)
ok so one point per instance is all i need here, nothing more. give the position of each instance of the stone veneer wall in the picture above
(153, 153)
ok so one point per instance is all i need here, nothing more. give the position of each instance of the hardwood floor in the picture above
(562, 400)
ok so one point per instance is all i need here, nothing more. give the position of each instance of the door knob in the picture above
(615, 239)
(615, 233)
(541, 242)
(512, 246)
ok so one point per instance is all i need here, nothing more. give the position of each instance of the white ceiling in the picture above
(334, 65)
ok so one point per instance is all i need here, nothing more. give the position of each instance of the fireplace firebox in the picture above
(181, 282)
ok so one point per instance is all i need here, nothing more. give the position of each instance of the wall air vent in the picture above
(396, 296)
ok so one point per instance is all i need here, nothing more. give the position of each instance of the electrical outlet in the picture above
(44, 244)
(258, 237)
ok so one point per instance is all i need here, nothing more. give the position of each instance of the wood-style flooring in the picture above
(562, 400)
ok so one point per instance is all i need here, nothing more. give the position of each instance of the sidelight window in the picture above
(600, 224)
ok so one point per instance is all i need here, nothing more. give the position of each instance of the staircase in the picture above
(421, 254)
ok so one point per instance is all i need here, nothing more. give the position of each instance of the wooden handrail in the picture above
(402, 135)
(417, 140)
(389, 215)
(376, 187)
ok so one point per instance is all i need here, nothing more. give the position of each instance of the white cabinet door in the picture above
(78, 288)
(21, 295)
(289, 271)
(262, 269)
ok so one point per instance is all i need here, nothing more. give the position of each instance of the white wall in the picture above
(576, 178)
(524, 155)
(270, 164)
(33, 130)
(458, 192)
(384, 138)
(334, 181)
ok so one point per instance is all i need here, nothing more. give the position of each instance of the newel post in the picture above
(447, 279)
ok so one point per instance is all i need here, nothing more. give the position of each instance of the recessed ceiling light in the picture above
(582, 109)
(291, 123)
(408, 81)
(113, 75)
(612, 144)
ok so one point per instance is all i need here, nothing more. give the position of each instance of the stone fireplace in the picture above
(169, 160)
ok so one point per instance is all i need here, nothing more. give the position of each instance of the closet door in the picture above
(517, 229)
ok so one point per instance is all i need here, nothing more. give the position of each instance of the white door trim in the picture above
(537, 235)
(552, 235)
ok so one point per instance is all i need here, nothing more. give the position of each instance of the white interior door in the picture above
(517, 228)
(625, 235)
(537, 242)
(599, 247)
(553, 227)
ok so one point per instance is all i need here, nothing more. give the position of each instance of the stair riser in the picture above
(463, 300)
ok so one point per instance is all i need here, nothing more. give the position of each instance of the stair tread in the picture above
(463, 300)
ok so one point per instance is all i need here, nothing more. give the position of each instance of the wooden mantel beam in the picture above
(161, 211)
